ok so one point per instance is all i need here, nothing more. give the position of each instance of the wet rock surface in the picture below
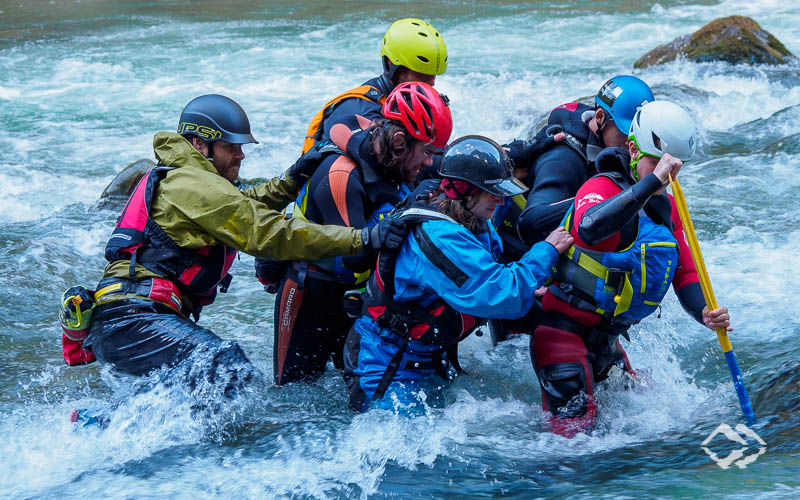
(733, 39)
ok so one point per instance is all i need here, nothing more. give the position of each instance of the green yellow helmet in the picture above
(414, 44)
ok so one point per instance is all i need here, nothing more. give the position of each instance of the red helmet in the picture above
(423, 112)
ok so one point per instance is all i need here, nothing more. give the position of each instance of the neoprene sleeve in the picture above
(606, 218)
(692, 300)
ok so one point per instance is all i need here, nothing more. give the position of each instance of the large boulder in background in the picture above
(733, 39)
(121, 187)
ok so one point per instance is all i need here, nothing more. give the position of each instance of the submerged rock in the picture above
(733, 39)
(121, 187)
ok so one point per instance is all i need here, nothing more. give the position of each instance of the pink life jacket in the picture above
(138, 238)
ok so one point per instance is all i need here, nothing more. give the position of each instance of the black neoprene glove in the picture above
(420, 194)
(423, 191)
(388, 234)
(305, 166)
(524, 153)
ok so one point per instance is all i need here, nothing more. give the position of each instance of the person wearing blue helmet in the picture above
(557, 161)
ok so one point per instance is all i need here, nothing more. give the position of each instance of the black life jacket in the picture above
(437, 323)
(138, 238)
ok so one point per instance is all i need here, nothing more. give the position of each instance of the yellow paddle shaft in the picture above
(697, 257)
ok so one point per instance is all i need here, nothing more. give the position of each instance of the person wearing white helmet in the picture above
(628, 248)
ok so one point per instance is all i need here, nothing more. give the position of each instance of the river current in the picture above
(84, 85)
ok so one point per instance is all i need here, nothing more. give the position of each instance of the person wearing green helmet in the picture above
(411, 50)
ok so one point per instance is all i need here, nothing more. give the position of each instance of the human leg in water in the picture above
(310, 327)
(368, 354)
(568, 370)
(139, 336)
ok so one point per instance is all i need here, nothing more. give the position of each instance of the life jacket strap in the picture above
(391, 369)
(580, 269)
(156, 289)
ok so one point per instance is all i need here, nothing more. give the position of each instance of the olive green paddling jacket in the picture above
(197, 207)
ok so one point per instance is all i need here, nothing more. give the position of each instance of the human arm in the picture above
(599, 221)
(220, 213)
(458, 268)
(355, 114)
(523, 153)
(557, 176)
(279, 191)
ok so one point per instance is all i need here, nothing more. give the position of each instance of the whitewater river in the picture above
(84, 85)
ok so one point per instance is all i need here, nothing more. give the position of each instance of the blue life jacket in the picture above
(630, 283)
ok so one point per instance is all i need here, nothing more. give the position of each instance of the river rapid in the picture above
(84, 85)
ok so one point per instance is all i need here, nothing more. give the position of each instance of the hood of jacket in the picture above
(172, 150)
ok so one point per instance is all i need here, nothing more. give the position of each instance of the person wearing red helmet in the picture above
(355, 187)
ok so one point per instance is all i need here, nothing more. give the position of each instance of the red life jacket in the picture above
(138, 238)
(437, 323)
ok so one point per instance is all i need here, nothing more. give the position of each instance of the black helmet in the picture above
(481, 162)
(214, 118)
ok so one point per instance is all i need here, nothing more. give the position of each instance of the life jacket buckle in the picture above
(616, 280)
(394, 323)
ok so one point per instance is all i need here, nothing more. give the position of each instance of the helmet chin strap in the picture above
(634, 163)
(210, 156)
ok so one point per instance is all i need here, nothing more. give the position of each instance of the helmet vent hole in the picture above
(415, 23)
(423, 59)
(656, 141)
(423, 34)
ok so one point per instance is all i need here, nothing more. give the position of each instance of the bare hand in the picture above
(667, 165)
(560, 239)
(540, 292)
(718, 318)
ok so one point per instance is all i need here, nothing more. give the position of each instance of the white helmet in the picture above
(660, 127)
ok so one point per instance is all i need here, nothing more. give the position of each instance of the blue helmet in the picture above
(621, 97)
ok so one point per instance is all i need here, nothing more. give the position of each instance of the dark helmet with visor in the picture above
(214, 117)
(481, 162)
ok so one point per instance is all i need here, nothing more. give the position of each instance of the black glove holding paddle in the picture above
(388, 234)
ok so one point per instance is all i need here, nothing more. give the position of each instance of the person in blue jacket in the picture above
(441, 284)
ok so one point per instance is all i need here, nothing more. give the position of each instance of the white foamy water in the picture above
(77, 108)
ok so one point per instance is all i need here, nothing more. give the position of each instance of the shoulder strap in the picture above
(366, 92)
